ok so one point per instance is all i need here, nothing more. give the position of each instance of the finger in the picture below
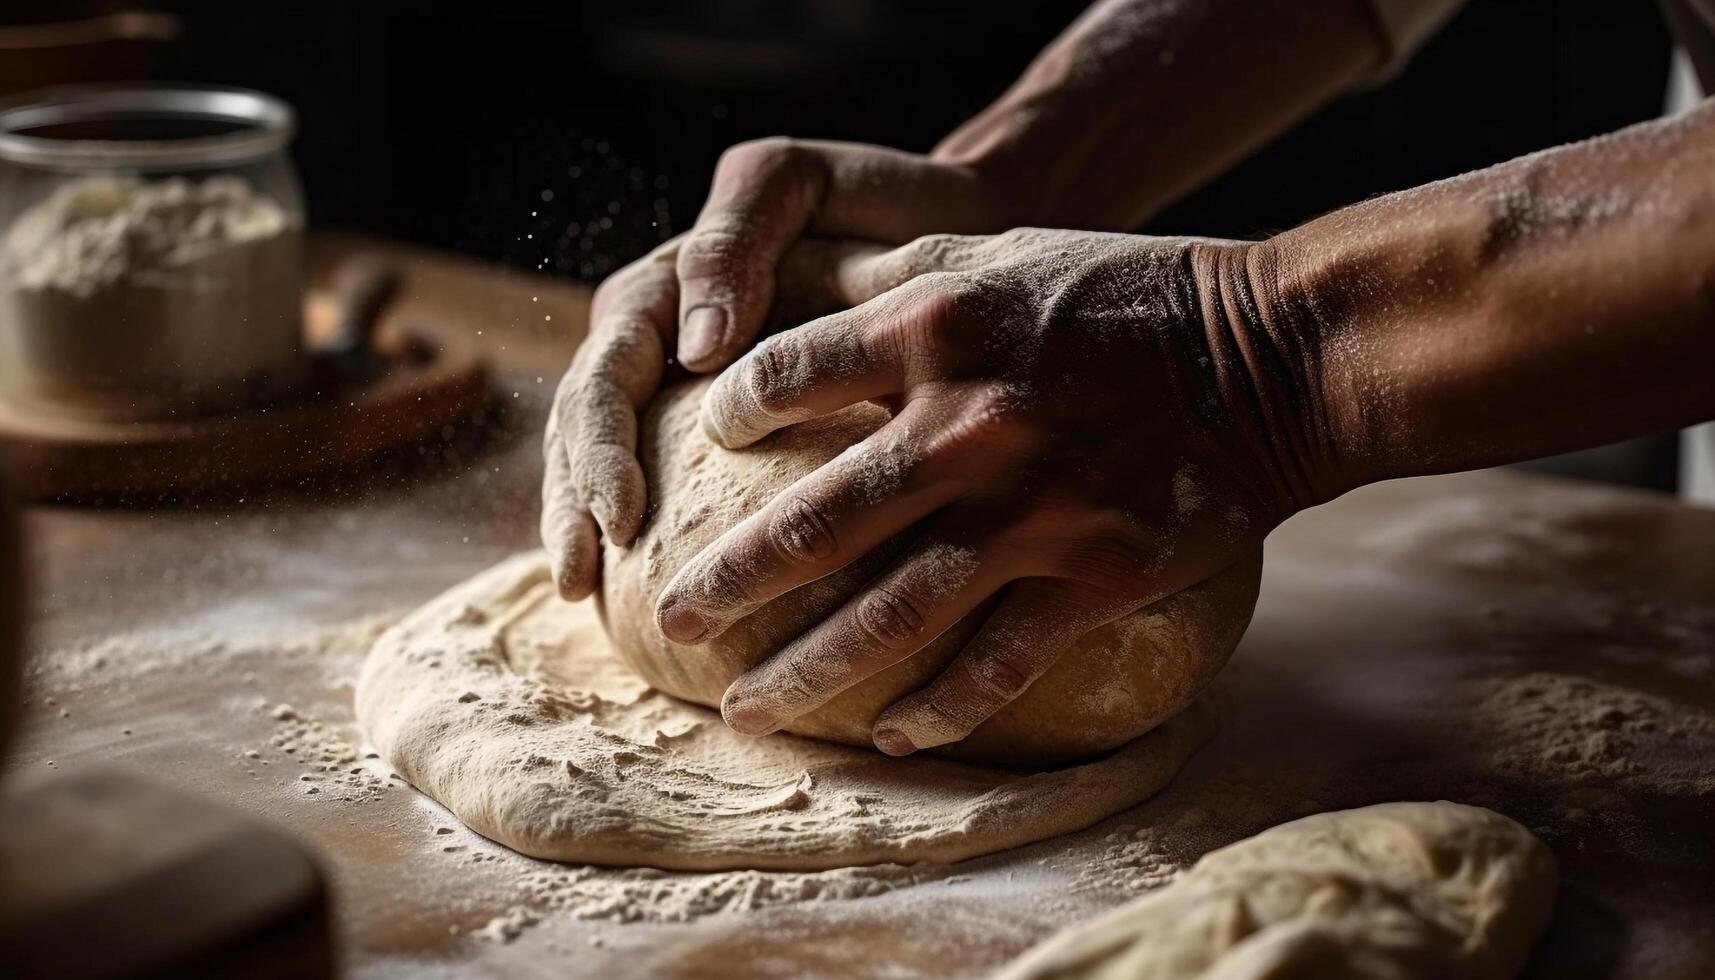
(901, 612)
(1030, 630)
(648, 288)
(813, 370)
(818, 276)
(568, 532)
(768, 193)
(615, 373)
(818, 525)
(602, 457)
(763, 196)
(859, 274)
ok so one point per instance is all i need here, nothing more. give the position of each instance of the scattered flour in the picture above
(1595, 740)
(649, 895)
(331, 763)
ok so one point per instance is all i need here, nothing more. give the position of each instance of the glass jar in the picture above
(151, 252)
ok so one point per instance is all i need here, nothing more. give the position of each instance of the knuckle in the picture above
(989, 424)
(710, 251)
(615, 286)
(953, 713)
(802, 532)
(766, 375)
(952, 293)
(721, 582)
(1000, 676)
(622, 341)
(600, 414)
(1112, 560)
(798, 681)
(934, 318)
(768, 151)
(928, 253)
(890, 621)
(995, 407)
(639, 278)
(952, 300)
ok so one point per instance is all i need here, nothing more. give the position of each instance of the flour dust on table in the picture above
(509, 707)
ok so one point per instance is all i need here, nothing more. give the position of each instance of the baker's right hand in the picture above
(706, 295)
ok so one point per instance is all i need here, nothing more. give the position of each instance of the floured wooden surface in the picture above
(1542, 648)
(1537, 647)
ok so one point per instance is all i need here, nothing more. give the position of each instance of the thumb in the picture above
(763, 197)
(767, 194)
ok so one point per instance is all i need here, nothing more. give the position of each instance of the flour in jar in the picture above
(134, 298)
(100, 232)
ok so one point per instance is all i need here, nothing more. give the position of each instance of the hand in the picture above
(723, 276)
(1082, 427)
(768, 193)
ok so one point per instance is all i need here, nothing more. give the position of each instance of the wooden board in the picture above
(326, 436)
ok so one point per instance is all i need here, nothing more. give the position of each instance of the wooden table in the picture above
(1384, 620)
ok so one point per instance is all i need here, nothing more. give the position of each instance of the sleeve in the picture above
(1405, 26)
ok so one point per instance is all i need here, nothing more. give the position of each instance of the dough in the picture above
(508, 706)
(1117, 683)
(1397, 891)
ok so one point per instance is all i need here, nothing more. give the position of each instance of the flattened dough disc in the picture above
(507, 705)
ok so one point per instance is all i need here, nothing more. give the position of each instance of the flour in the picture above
(130, 299)
(649, 895)
(330, 763)
(1596, 741)
(100, 232)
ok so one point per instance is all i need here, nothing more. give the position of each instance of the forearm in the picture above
(1559, 301)
(1140, 101)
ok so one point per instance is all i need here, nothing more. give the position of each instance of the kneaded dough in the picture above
(1398, 891)
(1118, 682)
(508, 706)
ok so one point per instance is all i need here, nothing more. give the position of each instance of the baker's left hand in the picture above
(1083, 423)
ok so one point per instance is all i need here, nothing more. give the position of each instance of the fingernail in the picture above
(682, 624)
(701, 334)
(748, 719)
(893, 742)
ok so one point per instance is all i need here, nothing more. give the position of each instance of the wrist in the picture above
(1268, 362)
(1008, 195)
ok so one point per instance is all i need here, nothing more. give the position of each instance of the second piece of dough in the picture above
(1397, 891)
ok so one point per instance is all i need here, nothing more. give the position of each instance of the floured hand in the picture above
(724, 281)
(1084, 424)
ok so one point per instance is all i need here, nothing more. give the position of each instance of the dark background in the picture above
(571, 137)
(446, 123)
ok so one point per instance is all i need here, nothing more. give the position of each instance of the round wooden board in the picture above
(317, 440)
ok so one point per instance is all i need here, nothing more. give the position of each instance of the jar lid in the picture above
(143, 127)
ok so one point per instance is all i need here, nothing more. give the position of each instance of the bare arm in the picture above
(1559, 301)
(1055, 386)
(1140, 101)
(1136, 103)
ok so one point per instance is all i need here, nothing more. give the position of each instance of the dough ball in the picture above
(1117, 683)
